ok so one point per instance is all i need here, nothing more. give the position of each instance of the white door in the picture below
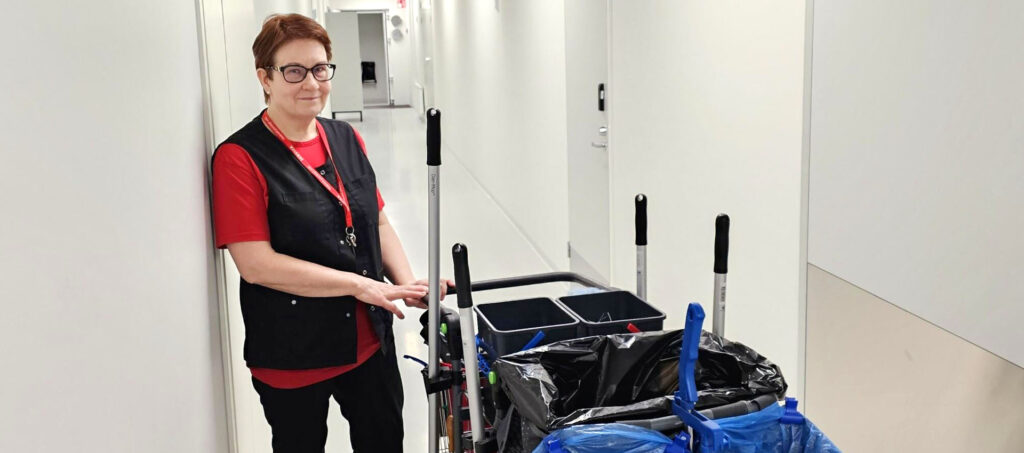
(347, 86)
(586, 56)
(373, 48)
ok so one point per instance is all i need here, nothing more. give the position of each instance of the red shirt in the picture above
(240, 215)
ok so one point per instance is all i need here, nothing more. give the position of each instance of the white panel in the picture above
(706, 105)
(346, 87)
(109, 329)
(917, 169)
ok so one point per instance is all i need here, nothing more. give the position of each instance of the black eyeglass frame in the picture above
(281, 69)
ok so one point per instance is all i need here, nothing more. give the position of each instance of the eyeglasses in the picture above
(294, 73)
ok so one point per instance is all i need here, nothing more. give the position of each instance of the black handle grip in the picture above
(433, 137)
(460, 256)
(641, 219)
(534, 279)
(722, 244)
(528, 280)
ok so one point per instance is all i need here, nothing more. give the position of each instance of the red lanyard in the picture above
(339, 192)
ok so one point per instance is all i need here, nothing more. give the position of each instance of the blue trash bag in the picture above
(761, 432)
(605, 438)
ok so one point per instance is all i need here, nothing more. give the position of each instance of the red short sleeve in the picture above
(239, 198)
(362, 146)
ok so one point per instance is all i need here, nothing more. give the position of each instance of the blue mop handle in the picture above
(534, 341)
(688, 354)
(711, 437)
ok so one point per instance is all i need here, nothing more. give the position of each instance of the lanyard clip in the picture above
(350, 236)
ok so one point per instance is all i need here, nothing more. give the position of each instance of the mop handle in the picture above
(641, 245)
(688, 355)
(641, 219)
(434, 137)
(721, 269)
(461, 260)
(722, 244)
(433, 267)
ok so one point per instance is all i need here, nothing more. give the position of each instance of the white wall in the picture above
(421, 29)
(917, 160)
(914, 225)
(706, 117)
(500, 84)
(372, 49)
(400, 51)
(235, 98)
(110, 329)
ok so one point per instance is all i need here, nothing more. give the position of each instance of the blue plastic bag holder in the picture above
(708, 434)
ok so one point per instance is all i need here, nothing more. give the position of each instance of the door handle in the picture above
(598, 145)
(602, 131)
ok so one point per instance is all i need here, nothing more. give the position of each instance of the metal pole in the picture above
(456, 432)
(641, 246)
(460, 256)
(721, 269)
(434, 271)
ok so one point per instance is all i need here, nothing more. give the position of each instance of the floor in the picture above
(395, 141)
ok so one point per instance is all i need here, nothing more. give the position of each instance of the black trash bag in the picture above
(610, 378)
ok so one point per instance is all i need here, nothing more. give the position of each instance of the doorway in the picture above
(373, 55)
(586, 74)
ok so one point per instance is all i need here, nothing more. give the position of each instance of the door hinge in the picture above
(568, 249)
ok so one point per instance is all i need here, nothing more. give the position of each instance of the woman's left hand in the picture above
(422, 303)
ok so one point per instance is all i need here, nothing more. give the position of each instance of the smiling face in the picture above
(304, 99)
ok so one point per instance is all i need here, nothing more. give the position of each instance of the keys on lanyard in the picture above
(339, 193)
(350, 236)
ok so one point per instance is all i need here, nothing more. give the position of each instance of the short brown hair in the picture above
(278, 30)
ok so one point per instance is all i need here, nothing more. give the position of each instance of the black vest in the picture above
(285, 331)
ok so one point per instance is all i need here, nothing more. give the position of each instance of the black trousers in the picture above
(371, 400)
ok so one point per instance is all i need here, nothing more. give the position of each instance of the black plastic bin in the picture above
(611, 312)
(508, 326)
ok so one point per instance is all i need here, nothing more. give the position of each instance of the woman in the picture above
(296, 204)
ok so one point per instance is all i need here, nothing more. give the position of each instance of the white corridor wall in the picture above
(110, 330)
(500, 84)
(917, 161)
(915, 216)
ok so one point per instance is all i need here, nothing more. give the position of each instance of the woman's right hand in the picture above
(381, 294)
